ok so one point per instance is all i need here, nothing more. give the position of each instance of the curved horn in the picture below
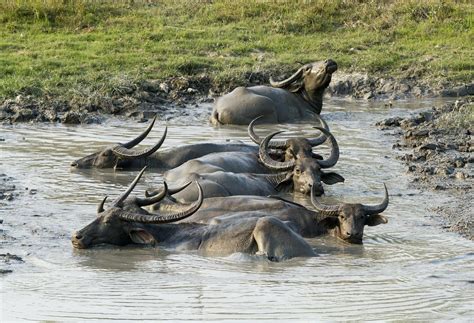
(121, 198)
(126, 153)
(157, 219)
(137, 140)
(328, 210)
(333, 158)
(275, 144)
(100, 208)
(297, 75)
(322, 137)
(171, 191)
(268, 161)
(154, 199)
(375, 209)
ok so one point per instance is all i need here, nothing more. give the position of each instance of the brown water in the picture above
(406, 269)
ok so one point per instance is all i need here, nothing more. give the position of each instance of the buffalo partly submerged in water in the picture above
(231, 174)
(345, 221)
(126, 222)
(125, 156)
(299, 97)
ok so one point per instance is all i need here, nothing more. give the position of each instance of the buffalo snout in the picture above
(77, 240)
(331, 66)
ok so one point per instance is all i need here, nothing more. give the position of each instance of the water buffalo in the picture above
(235, 174)
(127, 223)
(299, 97)
(121, 156)
(345, 221)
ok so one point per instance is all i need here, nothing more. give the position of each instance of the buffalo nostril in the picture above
(78, 236)
(73, 164)
(348, 234)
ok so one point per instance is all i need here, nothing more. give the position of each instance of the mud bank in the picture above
(436, 147)
(178, 95)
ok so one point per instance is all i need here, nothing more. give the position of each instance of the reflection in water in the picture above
(406, 269)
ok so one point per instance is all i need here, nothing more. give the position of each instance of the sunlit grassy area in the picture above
(66, 46)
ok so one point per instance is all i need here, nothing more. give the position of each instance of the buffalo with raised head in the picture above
(299, 97)
(123, 156)
(126, 222)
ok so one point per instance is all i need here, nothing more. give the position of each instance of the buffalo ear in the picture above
(375, 219)
(317, 156)
(329, 222)
(141, 236)
(332, 178)
(288, 180)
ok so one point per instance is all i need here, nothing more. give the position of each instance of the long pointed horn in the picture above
(275, 144)
(126, 153)
(157, 219)
(268, 161)
(154, 199)
(121, 198)
(328, 210)
(171, 190)
(322, 137)
(100, 208)
(137, 140)
(334, 157)
(284, 83)
(375, 209)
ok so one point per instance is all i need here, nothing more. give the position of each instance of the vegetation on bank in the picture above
(69, 47)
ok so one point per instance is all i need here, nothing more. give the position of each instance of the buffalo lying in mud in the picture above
(127, 223)
(345, 221)
(121, 156)
(298, 97)
(301, 173)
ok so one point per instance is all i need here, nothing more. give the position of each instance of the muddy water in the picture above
(406, 269)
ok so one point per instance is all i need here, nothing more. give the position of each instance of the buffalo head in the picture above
(347, 220)
(119, 155)
(303, 171)
(125, 222)
(310, 80)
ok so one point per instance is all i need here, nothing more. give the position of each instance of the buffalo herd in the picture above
(221, 198)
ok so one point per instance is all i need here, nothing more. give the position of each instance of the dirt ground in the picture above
(437, 150)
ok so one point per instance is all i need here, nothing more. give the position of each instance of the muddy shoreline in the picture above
(142, 100)
(436, 147)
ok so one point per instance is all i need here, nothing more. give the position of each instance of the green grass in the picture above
(62, 47)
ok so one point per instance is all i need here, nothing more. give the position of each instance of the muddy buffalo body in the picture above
(126, 222)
